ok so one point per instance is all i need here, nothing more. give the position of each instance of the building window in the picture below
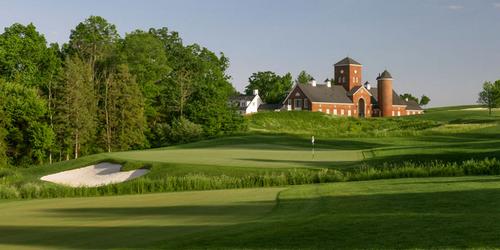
(289, 101)
(343, 79)
(306, 104)
(342, 112)
(328, 111)
(349, 112)
(340, 80)
(334, 111)
(399, 113)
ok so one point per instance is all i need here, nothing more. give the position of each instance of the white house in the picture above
(248, 104)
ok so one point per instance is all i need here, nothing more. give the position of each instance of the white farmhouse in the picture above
(247, 104)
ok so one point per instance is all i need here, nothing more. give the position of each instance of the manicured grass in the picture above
(280, 156)
(455, 212)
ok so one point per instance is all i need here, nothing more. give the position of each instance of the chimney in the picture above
(255, 92)
(313, 82)
(328, 83)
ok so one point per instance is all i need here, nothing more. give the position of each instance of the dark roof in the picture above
(322, 93)
(347, 61)
(270, 106)
(242, 97)
(353, 90)
(412, 105)
(396, 100)
(384, 74)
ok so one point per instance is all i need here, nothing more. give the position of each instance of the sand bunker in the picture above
(94, 175)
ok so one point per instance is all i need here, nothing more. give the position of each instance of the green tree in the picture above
(77, 111)
(26, 59)
(303, 77)
(145, 55)
(272, 88)
(3, 132)
(93, 40)
(125, 111)
(424, 100)
(490, 95)
(27, 139)
(409, 97)
(22, 52)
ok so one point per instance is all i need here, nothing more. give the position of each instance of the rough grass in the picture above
(422, 213)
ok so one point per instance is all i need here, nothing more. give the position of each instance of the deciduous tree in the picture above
(272, 88)
(490, 95)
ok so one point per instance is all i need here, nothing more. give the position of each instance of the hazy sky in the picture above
(444, 49)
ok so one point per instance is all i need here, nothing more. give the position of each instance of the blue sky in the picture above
(444, 49)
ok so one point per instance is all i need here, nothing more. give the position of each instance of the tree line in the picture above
(100, 92)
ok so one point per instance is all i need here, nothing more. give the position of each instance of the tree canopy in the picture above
(100, 92)
(303, 77)
(490, 95)
(272, 88)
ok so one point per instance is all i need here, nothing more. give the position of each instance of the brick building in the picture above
(349, 97)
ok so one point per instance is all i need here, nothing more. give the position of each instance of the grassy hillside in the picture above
(460, 212)
(278, 152)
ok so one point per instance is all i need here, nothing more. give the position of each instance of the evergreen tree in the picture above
(125, 111)
(76, 114)
(303, 77)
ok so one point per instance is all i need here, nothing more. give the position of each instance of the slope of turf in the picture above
(405, 213)
(281, 154)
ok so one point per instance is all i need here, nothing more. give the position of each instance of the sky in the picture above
(444, 49)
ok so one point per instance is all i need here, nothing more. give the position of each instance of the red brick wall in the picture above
(334, 109)
(365, 95)
(384, 88)
(352, 73)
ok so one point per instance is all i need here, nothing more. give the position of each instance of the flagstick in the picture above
(312, 141)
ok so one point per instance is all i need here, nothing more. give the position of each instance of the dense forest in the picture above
(100, 92)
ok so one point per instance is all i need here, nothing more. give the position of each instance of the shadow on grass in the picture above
(237, 210)
(454, 219)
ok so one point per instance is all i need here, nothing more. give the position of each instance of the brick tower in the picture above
(384, 85)
(348, 73)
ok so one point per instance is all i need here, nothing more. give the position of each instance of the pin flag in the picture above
(312, 141)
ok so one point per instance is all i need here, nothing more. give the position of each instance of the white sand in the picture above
(95, 175)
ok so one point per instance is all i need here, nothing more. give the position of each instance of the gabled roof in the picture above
(243, 98)
(269, 106)
(396, 100)
(412, 105)
(355, 89)
(347, 61)
(322, 93)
